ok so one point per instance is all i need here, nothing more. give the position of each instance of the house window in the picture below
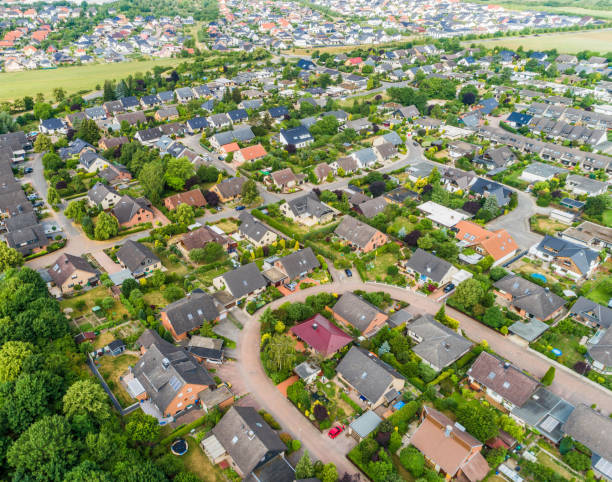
(179, 405)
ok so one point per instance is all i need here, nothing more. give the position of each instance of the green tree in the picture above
(249, 192)
(42, 110)
(490, 205)
(493, 317)
(412, 460)
(7, 123)
(173, 293)
(107, 226)
(157, 279)
(86, 398)
(304, 468)
(76, 210)
(184, 214)
(328, 473)
(53, 197)
(12, 356)
(128, 286)
(9, 257)
(109, 91)
(280, 353)
(548, 377)
(177, 172)
(142, 428)
(577, 460)
(151, 178)
(468, 293)
(45, 451)
(42, 143)
(596, 205)
(87, 470)
(88, 131)
(480, 421)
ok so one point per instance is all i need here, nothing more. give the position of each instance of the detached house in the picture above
(200, 237)
(298, 137)
(130, 212)
(504, 383)
(92, 162)
(567, 258)
(370, 377)
(250, 154)
(193, 198)
(529, 299)
(244, 441)
(244, 281)
(254, 231)
(69, 271)
(229, 189)
(298, 264)
(497, 244)
(167, 377)
(321, 335)
(362, 236)
(496, 158)
(353, 311)
(428, 268)
(285, 179)
(189, 313)
(591, 313)
(139, 259)
(449, 448)
(307, 210)
(103, 196)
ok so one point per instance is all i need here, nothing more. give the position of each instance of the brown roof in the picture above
(194, 198)
(67, 264)
(450, 451)
(503, 378)
(110, 142)
(284, 177)
(201, 237)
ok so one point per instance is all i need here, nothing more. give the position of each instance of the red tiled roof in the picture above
(321, 334)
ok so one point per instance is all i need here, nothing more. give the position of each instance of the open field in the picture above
(575, 7)
(73, 79)
(564, 42)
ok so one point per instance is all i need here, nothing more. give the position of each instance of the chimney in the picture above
(165, 363)
(315, 326)
(448, 430)
(506, 365)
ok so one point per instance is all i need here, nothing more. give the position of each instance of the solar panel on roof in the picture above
(549, 424)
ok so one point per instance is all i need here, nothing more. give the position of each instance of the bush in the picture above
(270, 420)
(548, 377)
(496, 457)
(402, 417)
(413, 461)
(577, 461)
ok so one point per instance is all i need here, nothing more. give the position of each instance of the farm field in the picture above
(576, 7)
(564, 42)
(73, 79)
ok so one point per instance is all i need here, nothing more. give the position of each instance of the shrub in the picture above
(270, 420)
(320, 412)
(577, 461)
(548, 377)
(413, 461)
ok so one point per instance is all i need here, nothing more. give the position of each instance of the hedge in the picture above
(353, 405)
(277, 225)
(183, 430)
(465, 359)
(442, 376)
(417, 382)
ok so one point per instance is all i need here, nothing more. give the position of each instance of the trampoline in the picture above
(179, 447)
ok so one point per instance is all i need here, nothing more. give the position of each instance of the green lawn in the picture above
(112, 368)
(607, 218)
(73, 79)
(197, 462)
(378, 267)
(564, 42)
(598, 295)
(100, 292)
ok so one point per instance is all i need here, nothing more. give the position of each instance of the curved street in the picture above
(567, 384)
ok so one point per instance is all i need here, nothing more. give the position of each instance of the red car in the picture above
(334, 432)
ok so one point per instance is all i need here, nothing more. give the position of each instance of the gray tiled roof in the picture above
(356, 310)
(244, 280)
(127, 207)
(355, 232)
(440, 346)
(98, 193)
(247, 438)
(530, 297)
(372, 207)
(558, 247)
(429, 265)
(135, 255)
(594, 312)
(190, 312)
(368, 374)
(299, 263)
(592, 429)
(252, 228)
(308, 204)
(67, 264)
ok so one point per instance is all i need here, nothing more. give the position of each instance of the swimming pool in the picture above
(539, 277)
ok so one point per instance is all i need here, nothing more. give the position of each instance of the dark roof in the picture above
(440, 346)
(357, 311)
(67, 264)
(247, 438)
(190, 312)
(252, 228)
(592, 429)
(244, 280)
(355, 232)
(299, 263)
(368, 374)
(20, 221)
(99, 192)
(503, 378)
(297, 135)
(484, 187)
(198, 123)
(429, 265)
(558, 247)
(277, 112)
(277, 469)
(372, 207)
(308, 204)
(600, 349)
(127, 207)
(164, 369)
(529, 296)
(135, 255)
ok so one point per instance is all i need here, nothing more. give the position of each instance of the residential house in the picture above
(69, 271)
(27, 239)
(92, 162)
(385, 151)
(496, 158)
(139, 259)
(244, 281)
(103, 196)
(206, 350)
(400, 195)
(592, 429)
(485, 188)
(345, 165)
(590, 313)
(199, 238)
(115, 173)
(322, 171)
(250, 154)
(358, 125)
(599, 351)
(229, 189)
(529, 299)
(441, 215)
(449, 448)
(307, 210)
(359, 235)
(135, 118)
(219, 121)
(437, 345)
(428, 268)
(193, 198)
(457, 149)
(184, 94)
(369, 376)
(518, 120)
(298, 264)
(352, 310)
(584, 186)
(167, 114)
(409, 112)
(284, 179)
(254, 231)
(189, 313)
(130, 212)
(589, 234)
(497, 244)
(168, 377)
(297, 136)
(197, 124)
(503, 382)
(245, 442)
(372, 207)
(53, 126)
(565, 257)
(321, 335)
(112, 142)
(148, 137)
(538, 171)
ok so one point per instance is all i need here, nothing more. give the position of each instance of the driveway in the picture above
(106, 262)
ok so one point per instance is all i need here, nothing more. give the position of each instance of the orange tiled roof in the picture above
(496, 243)
(253, 152)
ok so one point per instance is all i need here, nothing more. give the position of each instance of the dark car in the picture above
(28, 170)
(348, 272)
(449, 287)
(240, 208)
(38, 204)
